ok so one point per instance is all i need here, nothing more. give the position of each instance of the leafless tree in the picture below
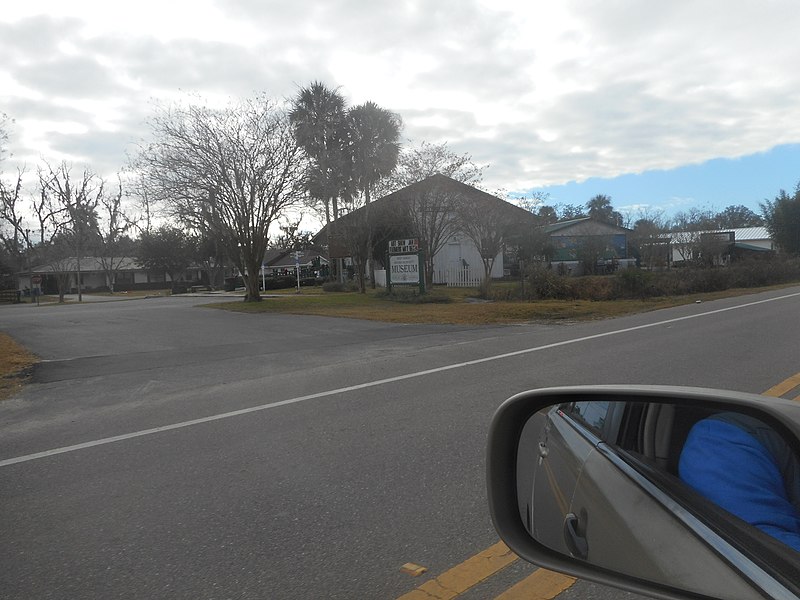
(232, 171)
(113, 226)
(487, 224)
(648, 238)
(71, 204)
(687, 229)
(5, 123)
(14, 237)
(13, 234)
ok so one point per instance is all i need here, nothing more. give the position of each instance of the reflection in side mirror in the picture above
(669, 491)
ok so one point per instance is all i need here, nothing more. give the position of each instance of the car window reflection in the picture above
(592, 414)
(747, 468)
(734, 460)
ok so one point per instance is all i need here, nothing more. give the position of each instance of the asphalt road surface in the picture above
(166, 450)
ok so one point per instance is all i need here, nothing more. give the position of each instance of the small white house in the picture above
(741, 240)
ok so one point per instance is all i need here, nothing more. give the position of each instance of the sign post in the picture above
(405, 264)
(36, 282)
(297, 268)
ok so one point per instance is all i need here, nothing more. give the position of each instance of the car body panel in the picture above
(640, 534)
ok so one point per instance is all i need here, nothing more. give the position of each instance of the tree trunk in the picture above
(360, 268)
(428, 262)
(486, 284)
(328, 238)
(251, 282)
(370, 259)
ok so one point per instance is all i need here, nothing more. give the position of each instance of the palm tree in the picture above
(600, 208)
(320, 128)
(375, 147)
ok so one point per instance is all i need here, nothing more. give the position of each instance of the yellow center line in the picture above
(542, 585)
(462, 577)
(784, 386)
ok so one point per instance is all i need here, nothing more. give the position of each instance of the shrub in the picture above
(543, 283)
(633, 283)
(280, 283)
(338, 286)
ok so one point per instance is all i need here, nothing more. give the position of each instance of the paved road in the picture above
(366, 451)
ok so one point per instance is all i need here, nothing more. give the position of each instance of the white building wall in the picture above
(460, 251)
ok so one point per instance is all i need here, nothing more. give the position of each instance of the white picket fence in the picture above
(459, 277)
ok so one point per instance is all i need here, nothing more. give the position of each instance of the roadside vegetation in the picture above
(541, 283)
(15, 365)
(461, 306)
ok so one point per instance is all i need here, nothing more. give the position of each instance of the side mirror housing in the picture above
(583, 480)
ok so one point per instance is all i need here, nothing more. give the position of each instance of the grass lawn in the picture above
(14, 365)
(460, 310)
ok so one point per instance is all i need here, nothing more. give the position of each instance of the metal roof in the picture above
(741, 234)
(744, 234)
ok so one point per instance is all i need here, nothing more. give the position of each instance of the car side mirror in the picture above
(666, 491)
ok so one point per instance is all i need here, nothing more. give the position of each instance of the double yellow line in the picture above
(542, 584)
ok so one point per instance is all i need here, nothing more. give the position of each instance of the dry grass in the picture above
(15, 364)
(460, 310)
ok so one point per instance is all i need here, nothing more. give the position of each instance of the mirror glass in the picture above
(671, 493)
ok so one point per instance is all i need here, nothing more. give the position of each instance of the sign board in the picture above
(404, 246)
(36, 279)
(404, 269)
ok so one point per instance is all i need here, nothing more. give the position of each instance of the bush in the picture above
(543, 283)
(338, 286)
(594, 287)
(633, 283)
(280, 283)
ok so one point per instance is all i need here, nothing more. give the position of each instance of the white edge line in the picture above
(361, 386)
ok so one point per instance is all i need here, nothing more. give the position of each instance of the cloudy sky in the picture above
(671, 104)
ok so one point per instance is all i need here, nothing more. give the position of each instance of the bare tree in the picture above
(687, 229)
(144, 202)
(112, 250)
(648, 239)
(14, 237)
(5, 124)
(75, 201)
(232, 171)
(418, 162)
(487, 224)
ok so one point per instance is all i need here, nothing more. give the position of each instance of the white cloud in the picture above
(544, 92)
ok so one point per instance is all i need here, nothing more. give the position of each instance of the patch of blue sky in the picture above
(714, 184)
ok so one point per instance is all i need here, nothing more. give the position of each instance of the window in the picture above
(591, 414)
